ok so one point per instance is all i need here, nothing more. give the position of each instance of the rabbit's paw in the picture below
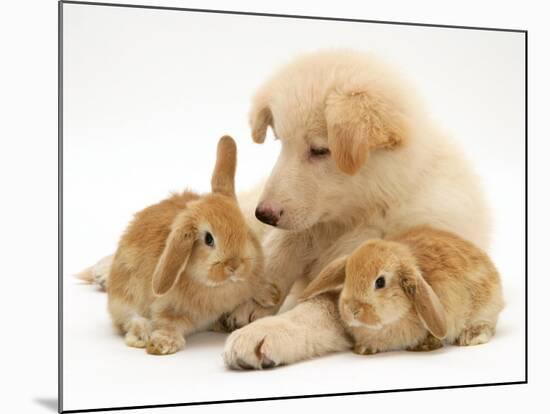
(165, 342)
(363, 349)
(244, 314)
(475, 334)
(219, 325)
(268, 295)
(138, 333)
(429, 343)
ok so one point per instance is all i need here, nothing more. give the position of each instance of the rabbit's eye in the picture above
(380, 282)
(209, 239)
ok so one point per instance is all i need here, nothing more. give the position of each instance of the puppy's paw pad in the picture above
(263, 353)
(257, 347)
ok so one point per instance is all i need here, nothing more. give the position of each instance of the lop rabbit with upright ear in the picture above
(184, 262)
(414, 291)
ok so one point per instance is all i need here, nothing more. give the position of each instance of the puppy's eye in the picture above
(380, 282)
(209, 239)
(319, 152)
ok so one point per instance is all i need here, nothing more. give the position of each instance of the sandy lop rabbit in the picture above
(184, 262)
(414, 291)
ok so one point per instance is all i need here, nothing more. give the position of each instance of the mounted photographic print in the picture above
(263, 206)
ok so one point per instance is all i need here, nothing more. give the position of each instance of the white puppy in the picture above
(359, 159)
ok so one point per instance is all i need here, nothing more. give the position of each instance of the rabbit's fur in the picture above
(437, 288)
(184, 262)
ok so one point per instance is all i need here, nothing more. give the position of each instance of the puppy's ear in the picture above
(357, 122)
(175, 256)
(426, 303)
(330, 279)
(260, 118)
(223, 177)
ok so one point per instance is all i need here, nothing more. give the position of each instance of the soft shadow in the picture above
(404, 354)
(49, 403)
(503, 332)
(207, 340)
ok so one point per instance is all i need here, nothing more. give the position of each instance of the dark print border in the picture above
(60, 203)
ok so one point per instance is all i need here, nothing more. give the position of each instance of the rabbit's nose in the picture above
(369, 315)
(232, 264)
(348, 310)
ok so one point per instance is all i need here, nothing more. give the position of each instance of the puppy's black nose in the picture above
(267, 216)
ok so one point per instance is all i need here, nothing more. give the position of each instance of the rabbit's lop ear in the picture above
(427, 304)
(330, 279)
(223, 178)
(174, 258)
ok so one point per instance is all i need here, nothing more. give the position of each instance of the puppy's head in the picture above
(331, 111)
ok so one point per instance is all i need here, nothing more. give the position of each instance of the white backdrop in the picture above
(147, 95)
(28, 167)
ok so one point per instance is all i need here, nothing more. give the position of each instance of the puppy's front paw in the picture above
(165, 342)
(264, 344)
